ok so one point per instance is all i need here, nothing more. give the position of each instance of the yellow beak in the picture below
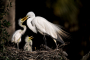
(25, 18)
(31, 37)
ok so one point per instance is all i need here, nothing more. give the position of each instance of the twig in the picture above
(86, 56)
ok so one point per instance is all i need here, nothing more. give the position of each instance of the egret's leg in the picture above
(45, 40)
(56, 46)
(56, 43)
(19, 40)
(17, 45)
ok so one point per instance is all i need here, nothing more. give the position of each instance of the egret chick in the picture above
(28, 45)
(40, 24)
(16, 38)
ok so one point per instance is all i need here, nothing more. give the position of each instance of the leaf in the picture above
(8, 9)
(10, 4)
(4, 20)
(7, 5)
(8, 24)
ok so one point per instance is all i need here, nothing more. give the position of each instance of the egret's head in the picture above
(31, 37)
(27, 39)
(20, 21)
(29, 15)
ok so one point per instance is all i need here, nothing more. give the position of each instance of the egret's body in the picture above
(16, 38)
(28, 45)
(40, 24)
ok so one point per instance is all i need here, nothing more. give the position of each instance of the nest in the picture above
(42, 54)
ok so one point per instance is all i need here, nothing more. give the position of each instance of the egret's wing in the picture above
(50, 30)
(47, 27)
(60, 31)
(38, 23)
(16, 35)
(55, 32)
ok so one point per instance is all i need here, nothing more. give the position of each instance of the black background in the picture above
(40, 9)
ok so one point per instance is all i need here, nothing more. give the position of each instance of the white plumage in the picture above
(28, 44)
(16, 38)
(40, 24)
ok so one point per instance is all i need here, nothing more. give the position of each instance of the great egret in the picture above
(28, 45)
(40, 24)
(16, 38)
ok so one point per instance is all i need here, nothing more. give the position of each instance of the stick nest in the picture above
(42, 54)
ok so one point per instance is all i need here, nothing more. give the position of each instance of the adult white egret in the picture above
(28, 45)
(40, 24)
(16, 38)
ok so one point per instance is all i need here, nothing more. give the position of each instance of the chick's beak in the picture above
(25, 18)
(31, 37)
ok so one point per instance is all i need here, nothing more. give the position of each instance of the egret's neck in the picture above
(24, 28)
(33, 28)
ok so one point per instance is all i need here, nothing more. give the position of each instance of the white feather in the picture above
(42, 25)
(16, 38)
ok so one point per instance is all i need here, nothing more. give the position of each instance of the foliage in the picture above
(4, 24)
(67, 10)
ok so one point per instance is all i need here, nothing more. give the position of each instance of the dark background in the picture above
(80, 39)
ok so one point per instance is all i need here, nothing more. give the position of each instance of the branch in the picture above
(86, 56)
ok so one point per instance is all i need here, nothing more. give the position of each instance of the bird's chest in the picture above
(27, 47)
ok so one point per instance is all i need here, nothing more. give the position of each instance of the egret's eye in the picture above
(28, 17)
